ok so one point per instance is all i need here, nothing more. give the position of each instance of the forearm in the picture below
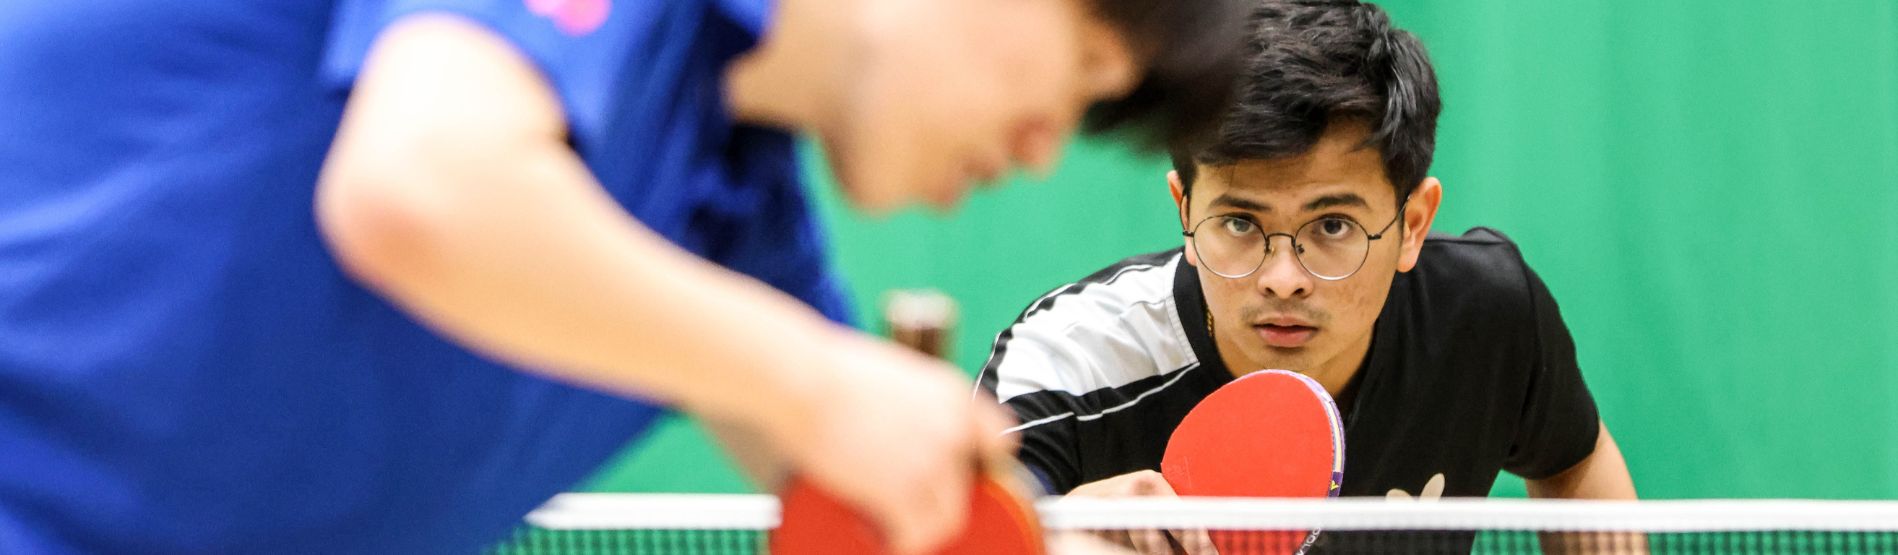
(1602, 475)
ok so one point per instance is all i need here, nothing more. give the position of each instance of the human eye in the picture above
(1335, 228)
(1236, 226)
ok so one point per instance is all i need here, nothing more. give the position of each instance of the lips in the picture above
(983, 170)
(1285, 335)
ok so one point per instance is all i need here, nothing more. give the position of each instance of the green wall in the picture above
(1710, 189)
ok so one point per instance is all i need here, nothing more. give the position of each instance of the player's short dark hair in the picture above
(1316, 62)
(1194, 51)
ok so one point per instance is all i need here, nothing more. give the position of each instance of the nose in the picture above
(1281, 275)
(1036, 145)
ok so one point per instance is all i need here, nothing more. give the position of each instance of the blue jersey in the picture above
(184, 368)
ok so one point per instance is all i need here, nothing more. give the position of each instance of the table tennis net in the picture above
(606, 524)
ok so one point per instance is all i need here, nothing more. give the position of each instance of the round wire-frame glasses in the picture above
(1330, 248)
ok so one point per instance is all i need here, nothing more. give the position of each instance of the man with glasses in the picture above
(1306, 225)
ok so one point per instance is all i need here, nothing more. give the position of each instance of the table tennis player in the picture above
(1306, 246)
(361, 276)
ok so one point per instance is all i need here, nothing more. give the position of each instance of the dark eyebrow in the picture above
(1226, 199)
(1337, 200)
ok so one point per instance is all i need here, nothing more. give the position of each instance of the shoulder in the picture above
(1114, 327)
(1473, 289)
(1479, 252)
(581, 50)
(1482, 268)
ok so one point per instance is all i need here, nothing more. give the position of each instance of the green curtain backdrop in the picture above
(1710, 189)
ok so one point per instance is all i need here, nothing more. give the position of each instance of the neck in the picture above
(791, 76)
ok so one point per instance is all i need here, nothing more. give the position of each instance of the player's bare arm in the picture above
(469, 210)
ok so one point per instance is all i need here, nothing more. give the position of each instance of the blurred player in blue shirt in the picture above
(381, 276)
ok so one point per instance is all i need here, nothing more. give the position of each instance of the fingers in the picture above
(942, 506)
(1141, 483)
(907, 455)
(1195, 542)
(1082, 543)
(1151, 542)
(1122, 540)
(1151, 484)
(936, 513)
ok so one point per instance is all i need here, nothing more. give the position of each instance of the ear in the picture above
(1179, 202)
(1419, 213)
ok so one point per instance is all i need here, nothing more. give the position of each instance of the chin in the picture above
(1296, 359)
(862, 194)
(869, 203)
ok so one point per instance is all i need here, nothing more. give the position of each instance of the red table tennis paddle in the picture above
(1001, 521)
(1270, 433)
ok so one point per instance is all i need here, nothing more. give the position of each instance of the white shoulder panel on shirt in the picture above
(1098, 335)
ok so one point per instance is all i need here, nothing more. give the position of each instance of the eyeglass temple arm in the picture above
(1387, 227)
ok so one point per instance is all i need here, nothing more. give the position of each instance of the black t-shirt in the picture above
(1471, 371)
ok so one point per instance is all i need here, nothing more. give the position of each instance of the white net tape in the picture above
(598, 511)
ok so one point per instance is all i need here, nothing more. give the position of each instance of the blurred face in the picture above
(946, 94)
(1282, 315)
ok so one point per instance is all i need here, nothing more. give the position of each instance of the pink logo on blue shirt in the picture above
(573, 17)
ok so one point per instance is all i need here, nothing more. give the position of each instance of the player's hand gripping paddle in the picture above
(1001, 514)
(1001, 520)
(1270, 433)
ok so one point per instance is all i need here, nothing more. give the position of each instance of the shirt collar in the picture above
(751, 15)
(1190, 301)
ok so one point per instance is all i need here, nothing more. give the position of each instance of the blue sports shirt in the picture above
(184, 368)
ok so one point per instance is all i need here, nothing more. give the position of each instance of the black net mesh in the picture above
(612, 542)
(536, 541)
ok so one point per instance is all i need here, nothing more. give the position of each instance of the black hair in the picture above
(1316, 62)
(1193, 51)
